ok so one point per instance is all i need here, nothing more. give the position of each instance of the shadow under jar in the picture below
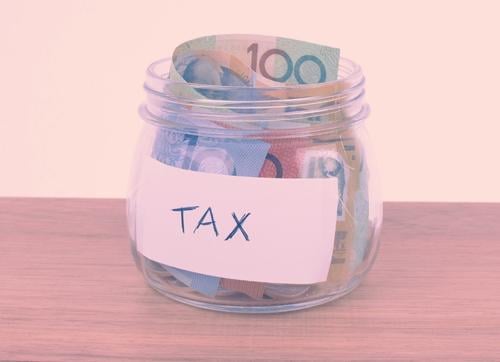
(273, 154)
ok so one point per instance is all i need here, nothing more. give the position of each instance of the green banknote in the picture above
(247, 60)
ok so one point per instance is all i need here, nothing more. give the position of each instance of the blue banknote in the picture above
(235, 157)
(204, 284)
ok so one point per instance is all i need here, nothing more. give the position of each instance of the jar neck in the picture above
(213, 109)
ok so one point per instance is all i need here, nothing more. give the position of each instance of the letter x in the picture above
(239, 226)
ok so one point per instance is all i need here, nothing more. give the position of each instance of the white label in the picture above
(196, 221)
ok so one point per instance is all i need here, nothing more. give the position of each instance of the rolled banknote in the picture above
(336, 159)
(253, 61)
(249, 64)
(236, 157)
(361, 231)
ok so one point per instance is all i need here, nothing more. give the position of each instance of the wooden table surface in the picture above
(69, 291)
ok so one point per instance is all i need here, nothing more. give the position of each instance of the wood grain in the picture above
(69, 291)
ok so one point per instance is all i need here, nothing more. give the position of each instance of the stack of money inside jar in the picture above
(277, 71)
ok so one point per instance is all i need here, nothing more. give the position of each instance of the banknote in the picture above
(361, 231)
(235, 157)
(282, 159)
(339, 156)
(256, 68)
(252, 289)
(248, 60)
(205, 284)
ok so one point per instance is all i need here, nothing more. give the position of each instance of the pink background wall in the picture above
(71, 75)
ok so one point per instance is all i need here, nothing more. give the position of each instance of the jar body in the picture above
(342, 153)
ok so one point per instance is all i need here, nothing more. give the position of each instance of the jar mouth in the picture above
(331, 104)
(349, 72)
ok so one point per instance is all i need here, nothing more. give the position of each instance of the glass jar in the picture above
(293, 165)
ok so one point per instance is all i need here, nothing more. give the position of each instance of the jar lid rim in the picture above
(354, 73)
